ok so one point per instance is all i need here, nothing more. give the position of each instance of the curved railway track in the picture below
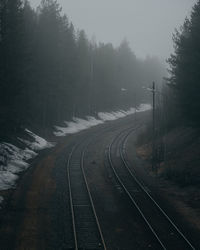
(164, 230)
(87, 233)
(86, 228)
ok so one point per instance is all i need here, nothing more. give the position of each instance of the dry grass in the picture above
(181, 162)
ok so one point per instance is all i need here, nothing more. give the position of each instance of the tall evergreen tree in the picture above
(49, 73)
(185, 66)
(11, 70)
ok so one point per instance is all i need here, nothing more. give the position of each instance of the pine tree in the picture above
(49, 73)
(11, 70)
(185, 66)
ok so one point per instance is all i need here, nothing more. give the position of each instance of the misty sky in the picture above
(147, 24)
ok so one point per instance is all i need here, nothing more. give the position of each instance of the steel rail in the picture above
(87, 186)
(71, 199)
(82, 156)
(126, 164)
(126, 190)
(91, 200)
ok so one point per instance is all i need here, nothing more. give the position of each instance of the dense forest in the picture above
(176, 142)
(183, 92)
(50, 72)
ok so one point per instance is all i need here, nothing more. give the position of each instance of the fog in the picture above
(147, 24)
(110, 90)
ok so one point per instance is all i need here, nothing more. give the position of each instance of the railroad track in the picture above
(87, 233)
(165, 231)
(86, 228)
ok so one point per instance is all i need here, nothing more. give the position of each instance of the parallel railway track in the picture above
(165, 231)
(86, 228)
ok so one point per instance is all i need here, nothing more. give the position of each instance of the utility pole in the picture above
(91, 104)
(135, 109)
(154, 130)
(153, 90)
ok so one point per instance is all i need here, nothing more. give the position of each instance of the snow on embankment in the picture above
(39, 142)
(81, 124)
(13, 160)
(76, 125)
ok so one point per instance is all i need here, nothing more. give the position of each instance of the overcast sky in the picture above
(147, 24)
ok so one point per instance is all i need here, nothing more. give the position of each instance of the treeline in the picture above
(177, 112)
(184, 82)
(50, 72)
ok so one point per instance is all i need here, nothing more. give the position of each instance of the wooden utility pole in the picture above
(154, 131)
(92, 90)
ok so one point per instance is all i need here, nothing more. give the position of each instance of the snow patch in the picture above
(143, 107)
(1, 199)
(13, 160)
(105, 116)
(78, 124)
(39, 143)
(7, 180)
